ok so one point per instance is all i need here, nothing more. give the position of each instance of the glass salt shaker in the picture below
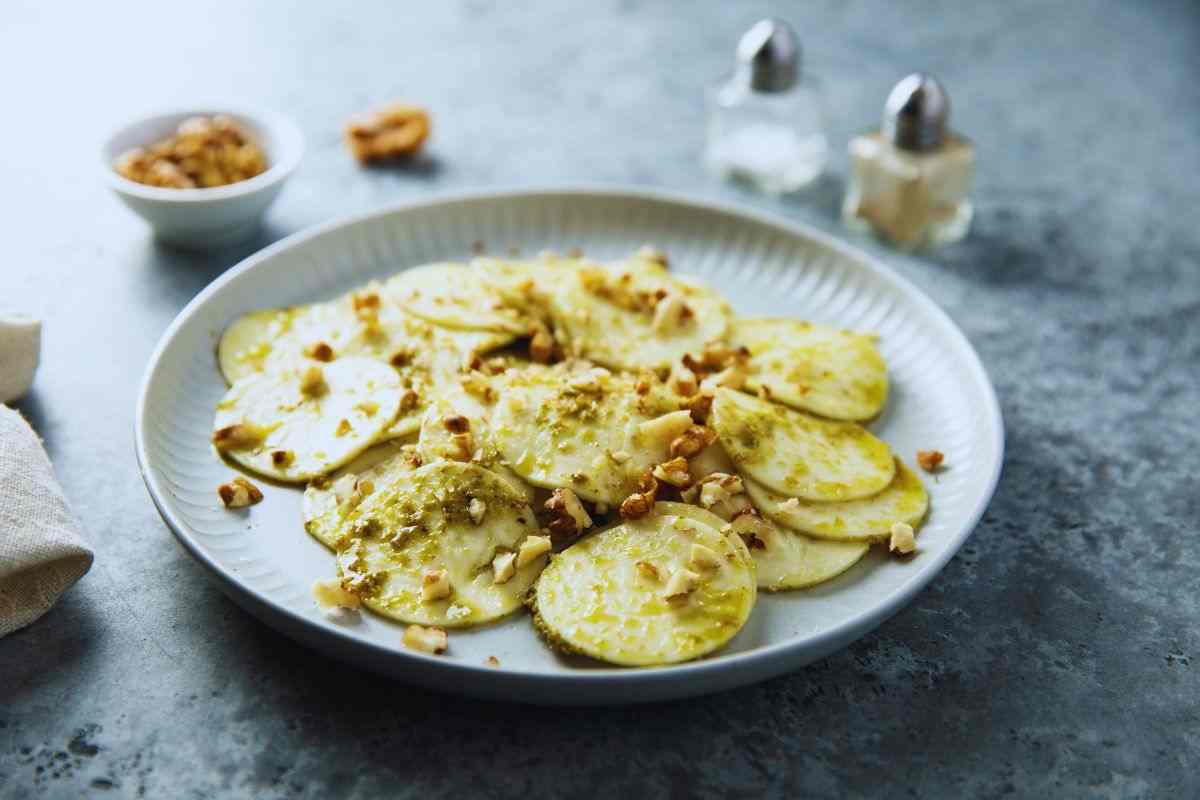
(910, 181)
(765, 125)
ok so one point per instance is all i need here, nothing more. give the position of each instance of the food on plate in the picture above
(835, 373)
(447, 544)
(396, 130)
(204, 152)
(930, 460)
(239, 493)
(606, 442)
(296, 426)
(868, 519)
(658, 590)
(798, 454)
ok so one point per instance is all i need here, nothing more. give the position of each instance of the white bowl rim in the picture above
(287, 132)
(765, 662)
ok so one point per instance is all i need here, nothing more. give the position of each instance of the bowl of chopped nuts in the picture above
(202, 178)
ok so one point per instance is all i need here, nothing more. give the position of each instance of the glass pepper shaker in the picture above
(765, 125)
(910, 181)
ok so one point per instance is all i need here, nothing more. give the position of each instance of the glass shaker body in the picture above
(774, 140)
(913, 199)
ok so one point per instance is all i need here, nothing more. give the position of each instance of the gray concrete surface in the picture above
(1057, 656)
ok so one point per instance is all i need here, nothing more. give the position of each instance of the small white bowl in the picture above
(206, 218)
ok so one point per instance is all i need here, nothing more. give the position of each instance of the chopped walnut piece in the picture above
(903, 541)
(240, 436)
(462, 447)
(930, 460)
(648, 571)
(733, 377)
(682, 380)
(703, 558)
(204, 152)
(312, 382)
(570, 518)
(700, 406)
(319, 351)
(718, 488)
(427, 640)
(343, 487)
(334, 599)
(669, 313)
(790, 505)
(755, 531)
(343, 427)
(681, 583)
(531, 549)
(457, 424)
(239, 493)
(435, 585)
(409, 400)
(476, 509)
(401, 358)
(492, 661)
(541, 345)
(282, 458)
(674, 472)
(652, 253)
(396, 130)
(504, 566)
(639, 504)
(662, 430)
(692, 441)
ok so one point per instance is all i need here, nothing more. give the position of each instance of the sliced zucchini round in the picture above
(270, 424)
(799, 455)
(835, 373)
(587, 430)
(869, 519)
(322, 509)
(460, 296)
(792, 560)
(609, 315)
(447, 520)
(617, 595)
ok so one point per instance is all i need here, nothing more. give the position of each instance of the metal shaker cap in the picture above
(769, 55)
(916, 113)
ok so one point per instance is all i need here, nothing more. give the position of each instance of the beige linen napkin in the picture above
(41, 550)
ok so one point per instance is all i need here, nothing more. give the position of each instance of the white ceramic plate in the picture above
(941, 398)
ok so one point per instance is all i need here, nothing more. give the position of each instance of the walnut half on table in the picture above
(396, 130)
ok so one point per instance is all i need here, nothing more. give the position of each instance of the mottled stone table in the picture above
(1057, 655)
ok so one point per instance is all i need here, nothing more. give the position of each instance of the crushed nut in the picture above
(204, 152)
(692, 441)
(683, 380)
(401, 358)
(462, 447)
(541, 345)
(903, 541)
(457, 424)
(343, 487)
(590, 381)
(239, 493)
(504, 566)
(435, 585)
(703, 558)
(648, 571)
(241, 436)
(427, 640)
(476, 509)
(367, 407)
(343, 427)
(282, 458)
(639, 504)
(334, 599)
(662, 430)
(719, 487)
(570, 518)
(700, 406)
(319, 351)
(674, 472)
(682, 583)
(755, 531)
(930, 460)
(408, 400)
(492, 661)
(532, 548)
(789, 506)
(396, 130)
(650, 253)
(733, 377)
(312, 382)
(669, 312)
